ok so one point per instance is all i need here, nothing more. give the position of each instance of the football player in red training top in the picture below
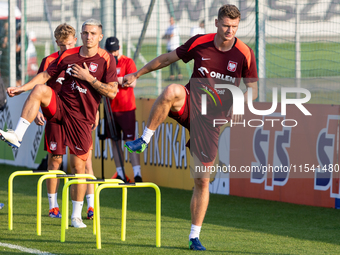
(54, 143)
(65, 36)
(219, 58)
(123, 108)
(90, 72)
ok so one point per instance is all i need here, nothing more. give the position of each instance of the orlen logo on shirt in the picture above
(217, 75)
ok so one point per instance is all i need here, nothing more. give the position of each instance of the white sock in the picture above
(77, 208)
(52, 200)
(136, 170)
(21, 128)
(90, 200)
(120, 171)
(56, 200)
(195, 231)
(147, 134)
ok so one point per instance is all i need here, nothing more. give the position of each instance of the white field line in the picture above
(24, 249)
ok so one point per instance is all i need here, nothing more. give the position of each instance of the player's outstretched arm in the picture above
(106, 89)
(155, 64)
(121, 82)
(129, 79)
(40, 78)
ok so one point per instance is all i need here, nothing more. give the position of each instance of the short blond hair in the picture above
(92, 22)
(230, 11)
(63, 31)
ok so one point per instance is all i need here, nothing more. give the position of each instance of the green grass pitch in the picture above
(233, 225)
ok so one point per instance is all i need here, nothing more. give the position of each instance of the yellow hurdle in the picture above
(64, 213)
(123, 230)
(10, 188)
(39, 192)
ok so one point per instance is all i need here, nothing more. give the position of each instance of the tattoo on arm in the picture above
(102, 88)
(115, 85)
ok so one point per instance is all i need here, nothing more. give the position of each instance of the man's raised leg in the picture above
(40, 96)
(172, 98)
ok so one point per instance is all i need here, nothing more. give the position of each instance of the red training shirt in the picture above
(79, 96)
(212, 66)
(125, 99)
(45, 63)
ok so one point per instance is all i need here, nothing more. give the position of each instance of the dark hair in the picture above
(229, 11)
